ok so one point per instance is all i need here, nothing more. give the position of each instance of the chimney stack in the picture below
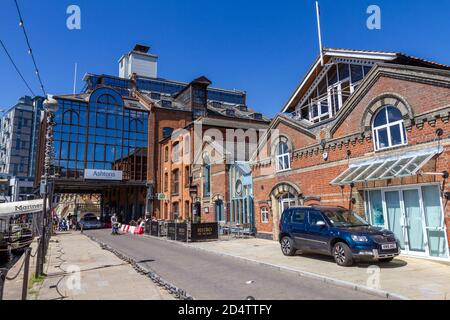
(140, 62)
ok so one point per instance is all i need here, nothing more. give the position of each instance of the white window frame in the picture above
(285, 157)
(388, 125)
(264, 215)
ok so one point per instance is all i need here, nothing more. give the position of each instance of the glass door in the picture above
(394, 216)
(286, 201)
(434, 222)
(414, 214)
(414, 221)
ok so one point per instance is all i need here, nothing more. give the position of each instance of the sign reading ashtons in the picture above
(94, 174)
(21, 207)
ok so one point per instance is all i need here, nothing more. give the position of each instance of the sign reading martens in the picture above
(21, 207)
(204, 231)
(95, 174)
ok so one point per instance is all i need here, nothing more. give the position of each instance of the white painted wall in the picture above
(142, 65)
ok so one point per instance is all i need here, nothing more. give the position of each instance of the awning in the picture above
(407, 164)
(22, 207)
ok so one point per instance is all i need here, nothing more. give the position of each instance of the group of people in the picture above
(63, 224)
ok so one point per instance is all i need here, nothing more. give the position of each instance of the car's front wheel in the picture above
(287, 246)
(342, 254)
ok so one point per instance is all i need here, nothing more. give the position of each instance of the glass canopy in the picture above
(386, 168)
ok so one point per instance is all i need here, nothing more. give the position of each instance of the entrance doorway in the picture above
(218, 209)
(287, 200)
(414, 214)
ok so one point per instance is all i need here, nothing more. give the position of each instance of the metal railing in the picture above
(25, 267)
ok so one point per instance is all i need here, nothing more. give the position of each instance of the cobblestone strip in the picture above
(177, 292)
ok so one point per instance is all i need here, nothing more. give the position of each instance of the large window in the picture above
(176, 152)
(206, 177)
(176, 182)
(283, 158)
(264, 215)
(388, 128)
(101, 134)
(334, 88)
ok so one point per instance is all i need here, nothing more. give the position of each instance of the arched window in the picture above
(388, 128)
(283, 157)
(176, 152)
(206, 176)
(70, 117)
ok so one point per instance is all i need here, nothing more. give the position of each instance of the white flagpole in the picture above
(319, 32)
(75, 79)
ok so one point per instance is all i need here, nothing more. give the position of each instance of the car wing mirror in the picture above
(320, 224)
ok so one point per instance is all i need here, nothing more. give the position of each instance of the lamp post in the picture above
(50, 107)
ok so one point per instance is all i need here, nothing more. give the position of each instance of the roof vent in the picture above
(141, 48)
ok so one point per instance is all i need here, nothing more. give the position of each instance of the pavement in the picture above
(78, 269)
(208, 275)
(407, 277)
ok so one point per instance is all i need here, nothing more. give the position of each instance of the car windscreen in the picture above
(344, 218)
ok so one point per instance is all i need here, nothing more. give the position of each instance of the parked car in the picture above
(89, 221)
(335, 231)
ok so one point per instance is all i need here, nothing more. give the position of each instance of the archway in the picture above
(284, 195)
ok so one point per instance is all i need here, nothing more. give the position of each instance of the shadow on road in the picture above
(396, 263)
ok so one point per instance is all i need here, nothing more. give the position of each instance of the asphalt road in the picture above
(206, 275)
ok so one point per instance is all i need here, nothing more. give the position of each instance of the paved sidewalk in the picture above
(405, 276)
(99, 274)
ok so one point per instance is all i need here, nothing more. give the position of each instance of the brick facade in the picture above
(423, 97)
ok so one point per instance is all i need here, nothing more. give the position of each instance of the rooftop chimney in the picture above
(140, 62)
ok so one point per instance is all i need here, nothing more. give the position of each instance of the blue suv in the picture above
(335, 231)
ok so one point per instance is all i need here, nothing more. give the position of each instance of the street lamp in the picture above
(50, 107)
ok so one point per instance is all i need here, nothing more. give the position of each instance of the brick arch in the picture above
(285, 187)
(282, 137)
(217, 196)
(386, 99)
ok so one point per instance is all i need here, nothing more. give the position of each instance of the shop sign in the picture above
(161, 196)
(154, 228)
(182, 234)
(171, 230)
(21, 207)
(204, 231)
(95, 174)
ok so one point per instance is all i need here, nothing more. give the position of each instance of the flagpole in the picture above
(319, 32)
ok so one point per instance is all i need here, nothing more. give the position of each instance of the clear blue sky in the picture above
(263, 47)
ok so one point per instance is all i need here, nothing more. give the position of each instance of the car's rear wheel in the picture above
(342, 254)
(287, 246)
(386, 259)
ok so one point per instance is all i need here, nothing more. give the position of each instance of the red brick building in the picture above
(369, 131)
(197, 171)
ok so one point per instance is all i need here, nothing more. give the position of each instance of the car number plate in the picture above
(388, 246)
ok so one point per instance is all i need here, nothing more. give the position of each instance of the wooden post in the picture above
(25, 274)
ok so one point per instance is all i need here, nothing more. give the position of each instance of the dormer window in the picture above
(324, 100)
(166, 103)
(388, 128)
(230, 112)
(216, 104)
(199, 96)
(257, 116)
(155, 95)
